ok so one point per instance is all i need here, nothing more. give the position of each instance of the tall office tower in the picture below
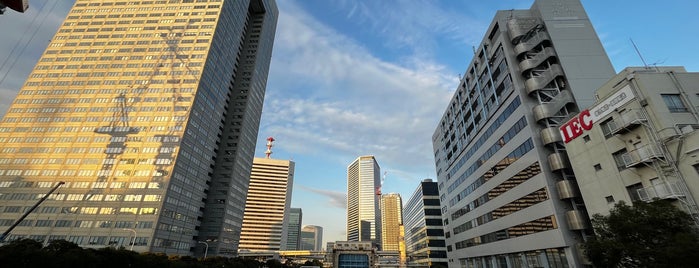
(498, 151)
(391, 221)
(293, 237)
(639, 141)
(149, 111)
(312, 238)
(265, 224)
(363, 214)
(424, 236)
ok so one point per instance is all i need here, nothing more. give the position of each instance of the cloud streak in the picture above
(328, 94)
(336, 199)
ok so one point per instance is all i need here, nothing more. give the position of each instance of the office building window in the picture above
(606, 126)
(674, 103)
(619, 160)
(598, 167)
(633, 191)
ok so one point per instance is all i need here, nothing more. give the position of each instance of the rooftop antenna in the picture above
(270, 142)
(639, 54)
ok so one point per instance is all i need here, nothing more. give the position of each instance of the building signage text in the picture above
(584, 121)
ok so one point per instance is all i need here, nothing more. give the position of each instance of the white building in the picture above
(639, 141)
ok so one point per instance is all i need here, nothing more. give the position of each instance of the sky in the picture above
(351, 78)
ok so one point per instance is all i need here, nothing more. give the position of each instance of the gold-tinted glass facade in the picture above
(121, 106)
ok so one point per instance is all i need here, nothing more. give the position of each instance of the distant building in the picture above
(424, 236)
(293, 240)
(353, 254)
(639, 141)
(266, 217)
(312, 238)
(363, 211)
(497, 150)
(391, 221)
(150, 114)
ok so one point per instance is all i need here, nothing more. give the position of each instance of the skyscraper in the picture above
(391, 221)
(149, 111)
(363, 212)
(312, 238)
(498, 151)
(293, 239)
(424, 236)
(265, 224)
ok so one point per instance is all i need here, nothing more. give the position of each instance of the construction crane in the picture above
(12, 227)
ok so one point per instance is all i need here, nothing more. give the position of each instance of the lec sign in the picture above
(586, 119)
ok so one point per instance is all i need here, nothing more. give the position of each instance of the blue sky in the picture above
(351, 78)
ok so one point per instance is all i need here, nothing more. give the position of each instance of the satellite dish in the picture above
(16, 5)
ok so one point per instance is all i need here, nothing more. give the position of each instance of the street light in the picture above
(206, 250)
(133, 240)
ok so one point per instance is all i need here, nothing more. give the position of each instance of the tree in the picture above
(655, 234)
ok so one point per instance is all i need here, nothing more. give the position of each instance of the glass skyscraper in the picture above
(149, 111)
(363, 211)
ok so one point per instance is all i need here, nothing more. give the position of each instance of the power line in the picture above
(26, 44)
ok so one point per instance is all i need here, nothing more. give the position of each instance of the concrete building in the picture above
(348, 254)
(424, 234)
(293, 237)
(312, 238)
(363, 211)
(391, 221)
(638, 142)
(149, 112)
(266, 218)
(496, 154)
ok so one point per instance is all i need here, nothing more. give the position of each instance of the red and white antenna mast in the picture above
(270, 142)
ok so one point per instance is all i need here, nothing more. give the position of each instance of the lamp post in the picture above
(206, 250)
(133, 240)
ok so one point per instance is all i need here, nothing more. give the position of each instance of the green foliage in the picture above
(654, 234)
(28, 253)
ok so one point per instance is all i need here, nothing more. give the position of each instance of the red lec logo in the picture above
(574, 128)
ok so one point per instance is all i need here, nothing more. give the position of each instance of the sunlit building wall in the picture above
(265, 224)
(498, 151)
(149, 111)
(391, 221)
(363, 211)
(424, 233)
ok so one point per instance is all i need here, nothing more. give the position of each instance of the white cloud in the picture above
(327, 94)
(336, 199)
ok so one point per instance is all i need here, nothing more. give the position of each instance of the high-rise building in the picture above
(312, 238)
(363, 211)
(149, 111)
(391, 221)
(638, 142)
(498, 152)
(293, 237)
(265, 224)
(424, 236)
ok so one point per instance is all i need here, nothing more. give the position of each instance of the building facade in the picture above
(149, 111)
(638, 142)
(266, 218)
(312, 238)
(424, 234)
(348, 254)
(391, 221)
(363, 211)
(293, 237)
(496, 153)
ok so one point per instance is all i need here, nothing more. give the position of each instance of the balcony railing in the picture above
(625, 122)
(646, 154)
(664, 190)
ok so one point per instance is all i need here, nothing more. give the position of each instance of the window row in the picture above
(79, 185)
